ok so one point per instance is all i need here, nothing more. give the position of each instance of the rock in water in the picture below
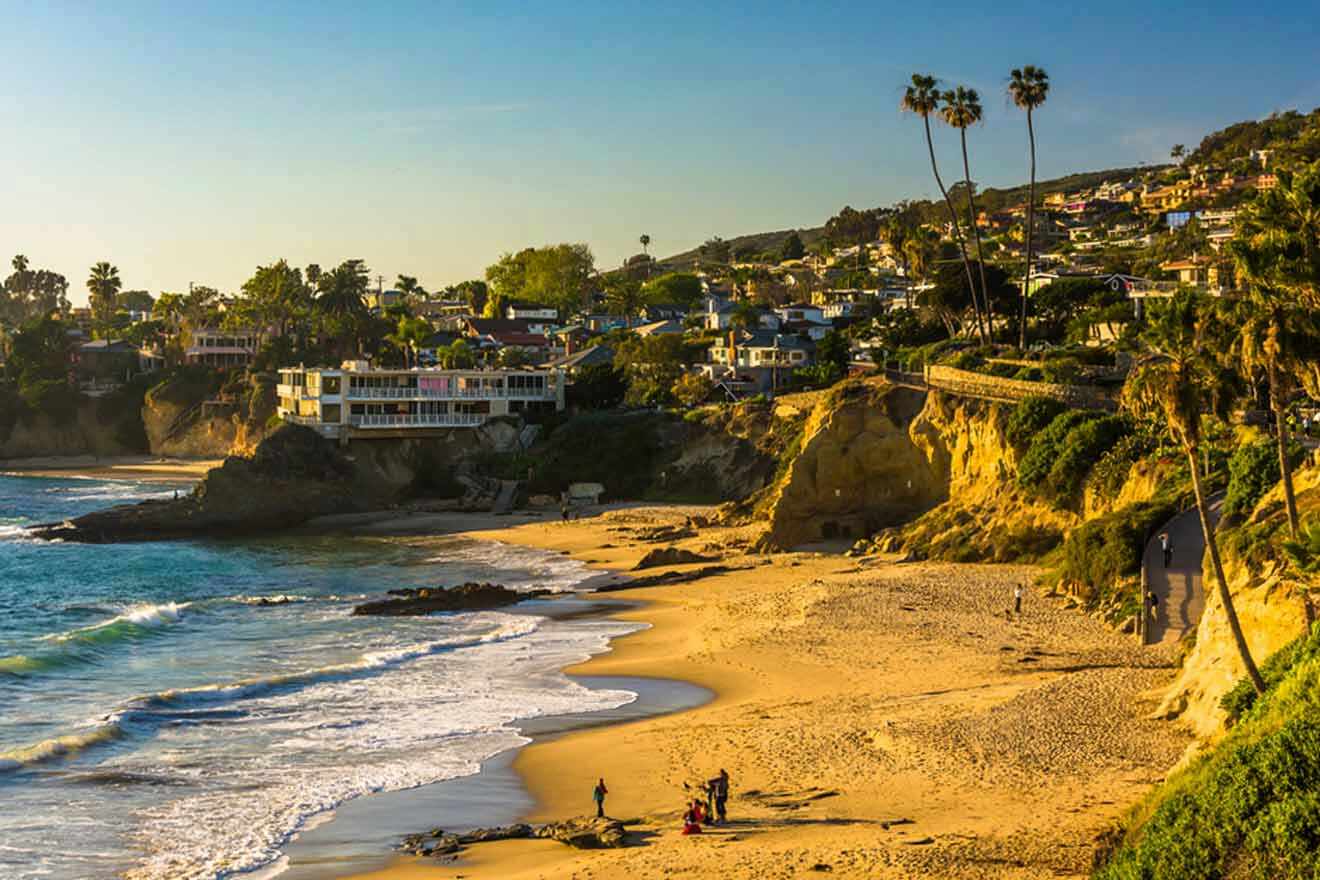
(506, 832)
(670, 556)
(294, 475)
(585, 833)
(465, 597)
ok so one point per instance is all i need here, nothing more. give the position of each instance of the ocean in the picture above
(182, 709)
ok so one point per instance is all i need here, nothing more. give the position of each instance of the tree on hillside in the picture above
(714, 250)
(1028, 87)
(408, 337)
(677, 288)
(1176, 381)
(962, 108)
(1280, 337)
(792, 249)
(1177, 153)
(646, 243)
(652, 364)
(275, 299)
(409, 288)
(341, 305)
(473, 292)
(103, 286)
(923, 98)
(834, 350)
(134, 301)
(624, 296)
(40, 351)
(28, 293)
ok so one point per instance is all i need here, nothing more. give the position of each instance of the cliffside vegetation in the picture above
(1251, 807)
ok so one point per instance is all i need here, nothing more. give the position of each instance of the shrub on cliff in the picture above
(1029, 418)
(1253, 469)
(1099, 554)
(1044, 447)
(1251, 807)
(1084, 445)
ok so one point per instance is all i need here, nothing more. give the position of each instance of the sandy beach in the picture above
(144, 468)
(885, 720)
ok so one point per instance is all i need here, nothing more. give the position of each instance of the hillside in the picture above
(991, 199)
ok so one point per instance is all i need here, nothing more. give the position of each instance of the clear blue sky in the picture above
(192, 142)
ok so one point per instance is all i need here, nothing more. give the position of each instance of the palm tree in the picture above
(20, 263)
(1177, 381)
(1279, 337)
(1028, 87)
(409, 288)
(962, 107)
(923, 98)
(103, 285)
(646, 242)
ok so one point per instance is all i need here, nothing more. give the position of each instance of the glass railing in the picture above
(448, 393)
(421, 420)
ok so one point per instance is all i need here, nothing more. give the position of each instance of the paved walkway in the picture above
(1178, 587)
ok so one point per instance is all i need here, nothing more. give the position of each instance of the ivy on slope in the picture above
(1251, 807)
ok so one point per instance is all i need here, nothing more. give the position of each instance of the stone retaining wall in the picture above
(971, 384)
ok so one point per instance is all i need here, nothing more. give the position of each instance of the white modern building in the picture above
(355, 400)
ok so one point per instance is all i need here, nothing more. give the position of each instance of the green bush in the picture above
(966, 360)
(1029, 418)
(1253, 469)
(1099, 553)
(1044, 446)
(1250, 808)
(1061, 371)
(1238, 701)
(1111, 471)
(1028, 374)
(1084, 445)
(53, 398)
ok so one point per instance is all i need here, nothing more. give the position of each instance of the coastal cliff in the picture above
(923, 472)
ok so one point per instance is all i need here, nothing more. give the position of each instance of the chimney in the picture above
(568, 344)
(733, 357)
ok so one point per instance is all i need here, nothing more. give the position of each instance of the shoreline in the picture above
(139, 468)
(828, 752)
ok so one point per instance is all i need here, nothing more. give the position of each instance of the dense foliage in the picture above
(1250, 808)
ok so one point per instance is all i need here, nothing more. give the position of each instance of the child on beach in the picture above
(692, 818)
(598, 793)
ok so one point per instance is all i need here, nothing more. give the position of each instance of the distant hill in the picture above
(992, 199)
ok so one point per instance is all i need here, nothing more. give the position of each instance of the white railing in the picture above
(421, 420)
(449, 394)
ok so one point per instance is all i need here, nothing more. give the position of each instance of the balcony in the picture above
(421, 420)
(547, 393)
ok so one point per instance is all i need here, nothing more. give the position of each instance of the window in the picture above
(330, 413)
(329, 384)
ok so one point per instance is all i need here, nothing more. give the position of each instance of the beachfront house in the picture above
(356, 400)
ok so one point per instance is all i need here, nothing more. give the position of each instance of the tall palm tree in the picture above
(1028, 87)
(962, 108)
(103, 285)
(20, 263)
(922, 97)
(646, 242)
(1176, 380)
(1279, 338)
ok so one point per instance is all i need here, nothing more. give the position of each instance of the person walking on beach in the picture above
(1017, 599)
(598, 793)
(1166, 547)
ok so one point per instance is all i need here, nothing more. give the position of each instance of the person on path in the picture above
(1017, 599)
(1166, 547)
(721, 794)
(1153, 601)
(598, 793)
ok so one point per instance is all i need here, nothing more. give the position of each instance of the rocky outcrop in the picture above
(580, 833)
(464, 597)
(857, 469)
(85, 433)
(670, 556)
(294, 475)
